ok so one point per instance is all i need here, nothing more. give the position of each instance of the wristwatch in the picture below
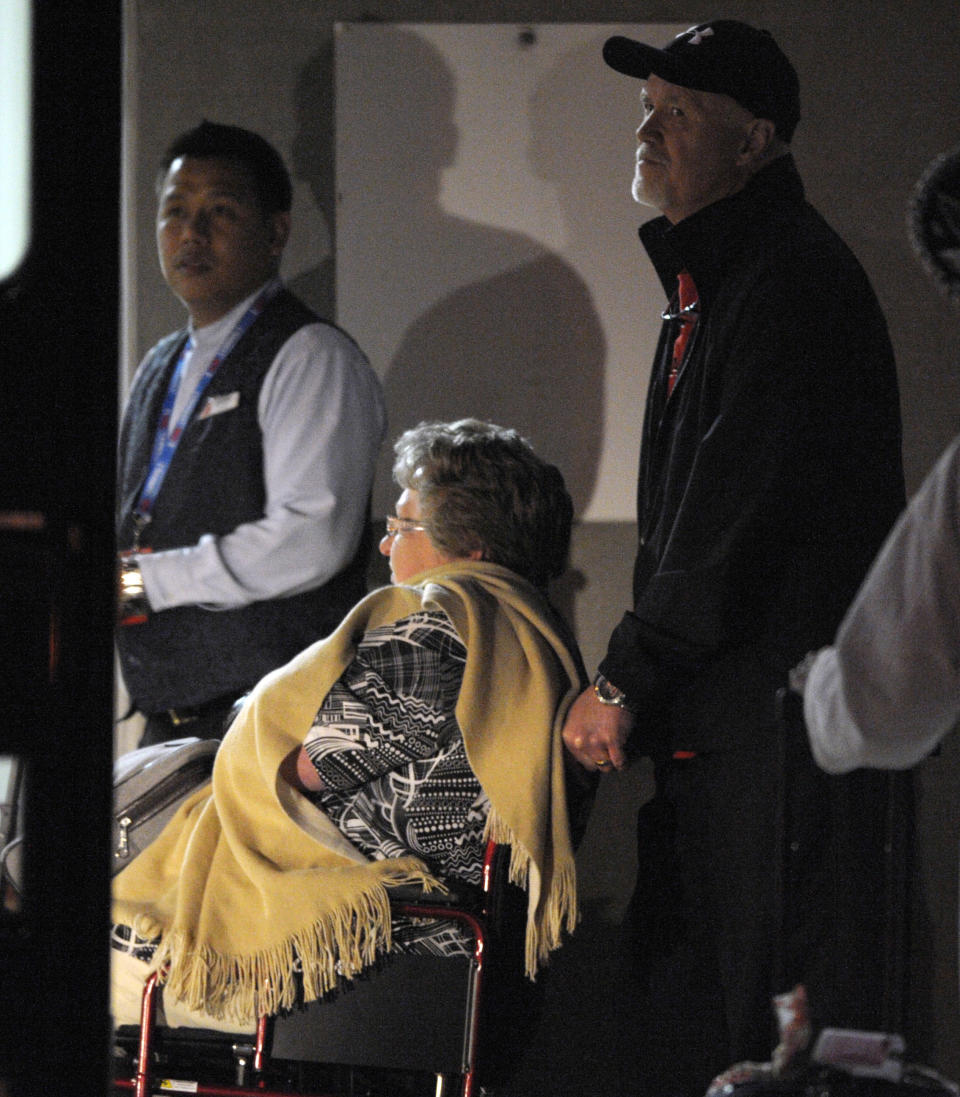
(133, 605)
(608, 694)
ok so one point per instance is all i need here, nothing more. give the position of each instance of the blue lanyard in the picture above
(166, 439)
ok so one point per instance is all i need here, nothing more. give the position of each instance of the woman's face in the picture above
(410, 549)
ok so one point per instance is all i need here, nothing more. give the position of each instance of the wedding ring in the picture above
(602, 762)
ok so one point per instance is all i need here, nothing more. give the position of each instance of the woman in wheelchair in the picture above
(386, 754)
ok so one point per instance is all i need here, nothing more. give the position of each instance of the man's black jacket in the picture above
(770, 476)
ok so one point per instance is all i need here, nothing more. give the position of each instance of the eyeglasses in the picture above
(403, 525)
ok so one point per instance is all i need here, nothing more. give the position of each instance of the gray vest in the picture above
(187, 656)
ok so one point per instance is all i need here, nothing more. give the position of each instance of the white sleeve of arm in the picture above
(322, 415)
(835, 740)
(889, 690)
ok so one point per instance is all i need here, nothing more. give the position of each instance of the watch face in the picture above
(934, 220)
(608, 692)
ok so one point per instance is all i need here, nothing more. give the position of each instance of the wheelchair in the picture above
(416, 1025)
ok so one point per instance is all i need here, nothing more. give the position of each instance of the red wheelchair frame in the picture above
(483, 925)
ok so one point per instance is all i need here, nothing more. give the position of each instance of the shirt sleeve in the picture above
(889, 689)
(322, 415)
(393, 704)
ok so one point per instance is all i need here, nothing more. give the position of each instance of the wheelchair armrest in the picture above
(458, 894)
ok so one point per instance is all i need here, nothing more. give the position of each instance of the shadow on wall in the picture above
(460, 318)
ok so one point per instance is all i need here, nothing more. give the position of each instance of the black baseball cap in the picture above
(723, 56)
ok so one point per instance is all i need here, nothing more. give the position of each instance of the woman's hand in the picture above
(297, 770)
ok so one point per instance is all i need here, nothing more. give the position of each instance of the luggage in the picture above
(842, 1063)
(149, 784)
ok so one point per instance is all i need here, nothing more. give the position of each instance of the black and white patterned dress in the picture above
(389, 749)
(387, 745)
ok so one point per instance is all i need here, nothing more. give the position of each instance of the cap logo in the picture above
(697, 36)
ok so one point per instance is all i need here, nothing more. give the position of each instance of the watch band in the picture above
(134, 607)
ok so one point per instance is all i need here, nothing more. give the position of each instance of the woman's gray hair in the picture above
(482, 487)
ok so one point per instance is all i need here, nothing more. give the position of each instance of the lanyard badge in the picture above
(168, 434)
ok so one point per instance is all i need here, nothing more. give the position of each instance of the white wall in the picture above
(486, 251)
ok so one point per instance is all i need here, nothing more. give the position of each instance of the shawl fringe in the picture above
(305, 966)
(550, 915)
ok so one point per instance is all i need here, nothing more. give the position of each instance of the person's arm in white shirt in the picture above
(322, 415)
(889, 690)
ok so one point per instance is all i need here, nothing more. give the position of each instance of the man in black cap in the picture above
(769, 474)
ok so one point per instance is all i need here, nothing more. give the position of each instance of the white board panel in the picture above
(487, 257)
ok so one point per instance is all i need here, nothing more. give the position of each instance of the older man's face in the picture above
(692, 148)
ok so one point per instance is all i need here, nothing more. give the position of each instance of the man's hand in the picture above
(596, 734)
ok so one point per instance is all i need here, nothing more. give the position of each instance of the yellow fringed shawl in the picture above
(249, 876)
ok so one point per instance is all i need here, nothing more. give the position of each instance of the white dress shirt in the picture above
(322, 414)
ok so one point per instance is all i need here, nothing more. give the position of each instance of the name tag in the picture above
(215, 405)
